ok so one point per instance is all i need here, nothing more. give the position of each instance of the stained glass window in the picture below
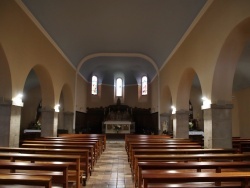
(144, 85)
(119, 87)
(94, 85)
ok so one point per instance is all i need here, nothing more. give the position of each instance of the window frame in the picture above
(94, 82)
(144, 85)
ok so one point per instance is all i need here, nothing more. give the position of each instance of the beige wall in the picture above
(81, 95)
(25, 48)
(201, 48)
(210, 53)
(241, 113)
(153, 86)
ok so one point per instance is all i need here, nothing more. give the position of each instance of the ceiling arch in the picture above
(105, 65)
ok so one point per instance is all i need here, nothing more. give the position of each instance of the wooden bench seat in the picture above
(151, 151)
(178, 151)
(10, 179)
(159, 142)
(199, 166)
(160, 176)
(85, 166)
(34, 158)
(156, 146)
(131, 138)
(194, 185)
(96, 151)
(58, 172)
(99, 140)
(160, 146)
(101, 136)
(189, 157)
(63, 146)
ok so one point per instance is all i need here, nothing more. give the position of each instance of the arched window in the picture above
(144, 85)
(94, 85)
(119, 84)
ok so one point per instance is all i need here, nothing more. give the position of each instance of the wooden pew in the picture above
(154, 151)
(10, 179)
(188, 157)
(102, 136)
(83, 153)
(63, 146)
(99, 140)
(151, 151)
(167, 141)
(96, 149)
(243, 144)
(141, 137)
(217, 166)
(159, 176)
(145, 137)
(30, 168)
(161, 146)
(12, 157)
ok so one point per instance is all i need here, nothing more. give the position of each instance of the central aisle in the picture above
(112, 168)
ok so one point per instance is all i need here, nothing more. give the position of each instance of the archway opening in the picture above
(32, 100)
(240, 95)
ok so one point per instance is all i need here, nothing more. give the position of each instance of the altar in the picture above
(118, 127)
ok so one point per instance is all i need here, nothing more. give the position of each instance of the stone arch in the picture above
(32, 97)
(5, 77)
(184, 88)
(166, 100)
(67, 98)
(48, 94)
(227, 61)
(65, 116)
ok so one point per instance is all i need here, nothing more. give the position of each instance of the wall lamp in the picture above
(57, 108)
(206, 103)
(17, 101)
(173, 109)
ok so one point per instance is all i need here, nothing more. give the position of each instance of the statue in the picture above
(118, 101)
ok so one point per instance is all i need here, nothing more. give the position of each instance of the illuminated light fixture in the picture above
(17, 101)
(206, 103)
(173, 109)
(57, 108)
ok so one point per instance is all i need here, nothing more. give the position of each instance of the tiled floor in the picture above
(112, 168)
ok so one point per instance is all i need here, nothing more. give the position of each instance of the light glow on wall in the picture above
(17, 101)
(206, 103)
(173, 109)
(57, 108)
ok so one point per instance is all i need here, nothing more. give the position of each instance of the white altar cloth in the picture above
(127, 127)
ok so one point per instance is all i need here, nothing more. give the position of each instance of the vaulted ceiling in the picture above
(132, 37)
